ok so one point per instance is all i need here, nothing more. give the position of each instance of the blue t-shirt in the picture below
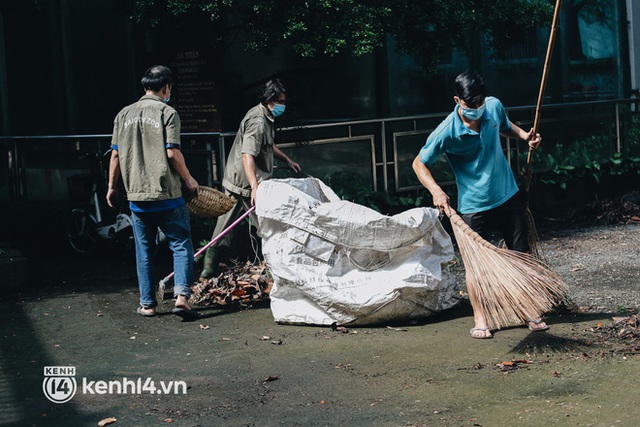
(485, 179)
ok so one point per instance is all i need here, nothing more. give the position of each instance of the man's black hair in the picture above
(156, 77)
(272, 90)
(470, 88)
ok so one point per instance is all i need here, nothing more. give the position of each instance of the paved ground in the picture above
(241, 369)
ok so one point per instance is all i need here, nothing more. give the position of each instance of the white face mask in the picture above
(473, 113)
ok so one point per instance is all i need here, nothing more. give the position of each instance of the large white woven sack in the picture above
(335, 261)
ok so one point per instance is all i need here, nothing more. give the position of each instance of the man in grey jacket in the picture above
(146, 153)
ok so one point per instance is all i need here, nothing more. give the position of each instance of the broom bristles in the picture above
(532, 235)
(509, 287)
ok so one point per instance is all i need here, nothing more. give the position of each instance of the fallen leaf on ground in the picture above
(106, 421)
(270, 378)
(511, 365)
(343, 329)
(204, 327)
(620, 319)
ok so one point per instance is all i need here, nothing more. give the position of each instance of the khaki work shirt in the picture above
(256, 137)
(141, 132)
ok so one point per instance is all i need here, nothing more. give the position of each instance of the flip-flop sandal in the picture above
(536, 322)
(483, 337)
(185, 313)
(142, 313)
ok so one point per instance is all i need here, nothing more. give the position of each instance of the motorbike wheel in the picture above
(81, 232)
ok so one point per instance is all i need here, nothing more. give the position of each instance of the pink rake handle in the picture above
(212, 242)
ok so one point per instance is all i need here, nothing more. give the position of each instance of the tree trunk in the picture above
(4, 96)
(57, 92)
(68, 73)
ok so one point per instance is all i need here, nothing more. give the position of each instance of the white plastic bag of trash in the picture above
(335, 261)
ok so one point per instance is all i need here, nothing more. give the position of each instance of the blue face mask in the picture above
(167, 99)
(473, 113)
(278, 109)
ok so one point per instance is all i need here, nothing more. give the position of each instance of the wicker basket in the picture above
(210, 203)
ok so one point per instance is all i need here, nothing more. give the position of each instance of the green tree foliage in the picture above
(329, 27)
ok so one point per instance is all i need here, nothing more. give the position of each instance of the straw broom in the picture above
(508, 287)
(532, 232)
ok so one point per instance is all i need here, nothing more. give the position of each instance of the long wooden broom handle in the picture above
(543, 85)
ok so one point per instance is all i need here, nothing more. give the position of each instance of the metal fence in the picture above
(373, 155)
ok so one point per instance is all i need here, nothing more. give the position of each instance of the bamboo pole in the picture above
(533, 233)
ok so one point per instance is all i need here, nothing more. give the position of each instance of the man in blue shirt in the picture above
(488, 197)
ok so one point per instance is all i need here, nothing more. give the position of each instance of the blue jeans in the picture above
(175, 224)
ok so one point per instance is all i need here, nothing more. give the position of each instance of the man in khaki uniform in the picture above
(146, 153)
(250, 162)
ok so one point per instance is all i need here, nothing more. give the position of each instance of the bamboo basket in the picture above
(210, 203)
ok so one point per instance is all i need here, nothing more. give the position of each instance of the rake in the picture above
(163, 283)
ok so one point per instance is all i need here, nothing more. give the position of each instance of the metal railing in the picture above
(39, 167)
(375, 154)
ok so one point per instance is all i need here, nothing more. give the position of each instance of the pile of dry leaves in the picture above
(243, 283)
(621, 210)
(623, 331)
